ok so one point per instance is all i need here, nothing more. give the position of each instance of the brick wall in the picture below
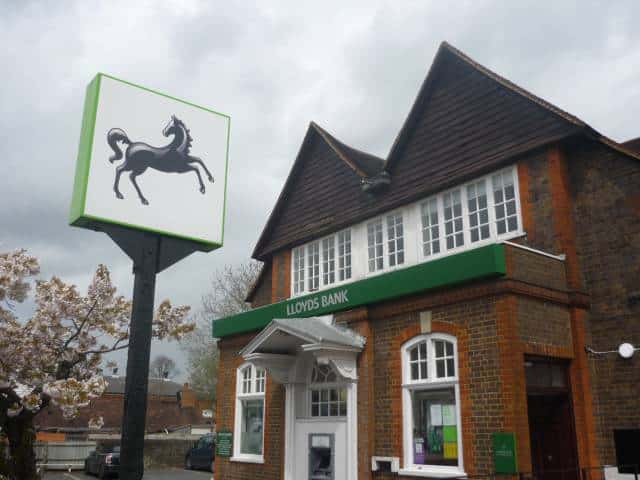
(606, 188)
(273, 451)
(543, 323)
(280, 276)
(474, 325)
(162, 412)
(582, 199)
(262, 293)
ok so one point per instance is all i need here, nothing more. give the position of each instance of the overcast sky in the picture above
(353, 67)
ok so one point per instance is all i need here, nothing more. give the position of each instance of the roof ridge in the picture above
(619, 146)
(508, 84)
(336, 145)
(512, 86)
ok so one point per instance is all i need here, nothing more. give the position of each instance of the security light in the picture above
(625, 350)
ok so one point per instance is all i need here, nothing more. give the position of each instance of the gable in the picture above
(466, 121)
(468, 125)
(320, 193)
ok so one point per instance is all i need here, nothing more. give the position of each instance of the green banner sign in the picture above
(483, 262)
(505, 458)
(224, 444)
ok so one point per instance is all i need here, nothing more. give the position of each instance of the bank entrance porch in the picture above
(315, 360)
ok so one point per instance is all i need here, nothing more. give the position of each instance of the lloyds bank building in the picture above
(454, 309)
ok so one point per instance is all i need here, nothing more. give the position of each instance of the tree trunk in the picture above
(22, 436)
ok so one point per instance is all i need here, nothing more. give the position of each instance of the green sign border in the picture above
(77, 216)
(480, 263)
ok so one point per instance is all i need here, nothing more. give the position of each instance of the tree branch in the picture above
(78, 330)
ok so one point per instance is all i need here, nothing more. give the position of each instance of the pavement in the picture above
(152, 474)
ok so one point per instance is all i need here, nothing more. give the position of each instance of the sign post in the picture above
(157, 219)
(137, 380)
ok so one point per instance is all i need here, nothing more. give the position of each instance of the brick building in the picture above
(169, 405)
(413, 307)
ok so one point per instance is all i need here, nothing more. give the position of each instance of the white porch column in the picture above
(289, 431)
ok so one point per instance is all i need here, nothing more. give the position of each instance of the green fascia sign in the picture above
(481, 263)
(505, 458)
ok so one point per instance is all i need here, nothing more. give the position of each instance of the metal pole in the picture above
(136, 386)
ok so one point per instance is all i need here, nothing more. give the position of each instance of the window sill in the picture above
(247, 458)
(432, 473)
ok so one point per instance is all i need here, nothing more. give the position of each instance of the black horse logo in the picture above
(174, 158)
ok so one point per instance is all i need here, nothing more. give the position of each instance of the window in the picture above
(504, 199)
(432, 436)
(328, 261)
(328, 398)
(298, 270)
(430, 228)
(453, 228)
(395, 239)
(249, 421)
(469, 215)
(313, 266)
(374, 242)
(478, 211)
(392, 239)
(344, 255)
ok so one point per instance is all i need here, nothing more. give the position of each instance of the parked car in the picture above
(202, 454)
(104, 461)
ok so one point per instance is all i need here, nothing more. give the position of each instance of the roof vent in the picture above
(377, 183)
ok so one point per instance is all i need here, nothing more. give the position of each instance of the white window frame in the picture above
(475, 184)
(344, 268)
(257, 383)
(319, 386)
(373, 225)
(426, 205)
(303, 251)
(466, 229)
(327, 247)
(460, 191)
(298, 269)
(430, 383)
(516, 193)
(396, 238)
(383, 220)
(412, 236)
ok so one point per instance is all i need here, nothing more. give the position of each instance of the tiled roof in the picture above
(465, 121)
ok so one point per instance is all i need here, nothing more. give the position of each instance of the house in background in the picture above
(171, 406)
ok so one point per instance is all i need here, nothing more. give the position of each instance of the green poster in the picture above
(450, 433)
(224, 444)
(505, 458)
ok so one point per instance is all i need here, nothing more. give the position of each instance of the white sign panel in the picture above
(151, 162)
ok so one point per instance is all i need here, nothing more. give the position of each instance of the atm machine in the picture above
(321, 456)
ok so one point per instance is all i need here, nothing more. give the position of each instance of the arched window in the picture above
(328, 397)
(249, 418)
(431, 405)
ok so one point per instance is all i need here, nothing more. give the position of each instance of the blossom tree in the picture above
(54, 357)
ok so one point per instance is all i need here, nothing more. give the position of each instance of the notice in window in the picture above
(436, 414)
(448, 415)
